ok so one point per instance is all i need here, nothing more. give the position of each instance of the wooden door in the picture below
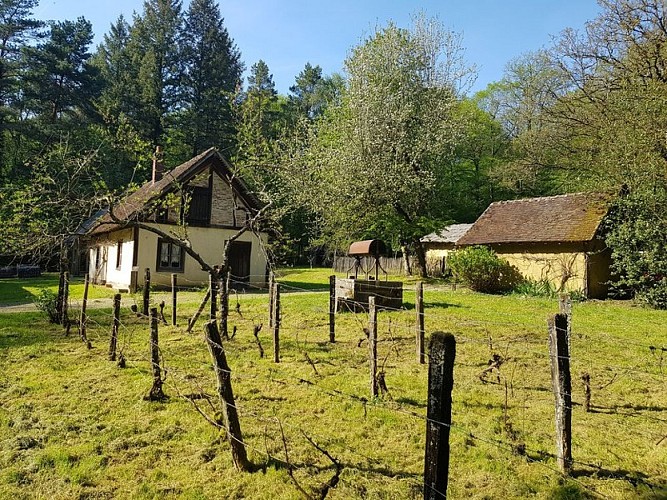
(239, 262)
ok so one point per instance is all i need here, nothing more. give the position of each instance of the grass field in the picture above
(74, 425)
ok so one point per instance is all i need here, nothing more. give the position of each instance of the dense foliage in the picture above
(483, 271)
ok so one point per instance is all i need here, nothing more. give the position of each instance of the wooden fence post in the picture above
(419, 309)
(194, 318)
(174, 297)
(61, 292)
(224, 305)
(276, 322)
(83, 318)
(442, 351)
(373, 344)
(147, 292)
(229, 413)
(156, 393)
(332, 309)
(586, 379)
(272, 281)
(213, 282)
(559, 354)
(114, 327)
(65, 305)
(565, 307)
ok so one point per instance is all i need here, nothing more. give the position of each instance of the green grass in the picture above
(74, 425)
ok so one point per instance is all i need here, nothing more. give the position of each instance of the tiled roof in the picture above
(563, 218)
(449, 234)
(130, 206)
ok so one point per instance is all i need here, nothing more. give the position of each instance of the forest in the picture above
(393, 148)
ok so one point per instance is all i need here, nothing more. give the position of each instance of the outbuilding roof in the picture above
(130, 206)
(449, 234)
(564, 218)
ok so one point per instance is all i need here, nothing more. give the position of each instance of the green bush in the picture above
(534, 288)
(46, 302)
(483, 271)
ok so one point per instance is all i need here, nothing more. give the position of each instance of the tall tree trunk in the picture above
(406, 259)
(420, 253)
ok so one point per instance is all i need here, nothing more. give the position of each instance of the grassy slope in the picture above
(74, 425)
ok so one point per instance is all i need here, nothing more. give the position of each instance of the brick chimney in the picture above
(158, 167)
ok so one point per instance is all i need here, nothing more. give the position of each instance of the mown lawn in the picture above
(74, 425)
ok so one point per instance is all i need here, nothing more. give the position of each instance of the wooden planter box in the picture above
(352, 294)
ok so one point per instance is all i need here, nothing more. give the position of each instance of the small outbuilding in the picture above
(554, 238)
(440, 244)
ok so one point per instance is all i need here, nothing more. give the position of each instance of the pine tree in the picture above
(212, 75)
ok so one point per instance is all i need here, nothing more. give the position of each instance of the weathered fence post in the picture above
(229, 413)
(64, 320)
(174, 298)
(114, 327)
(61, 292)
(156, 393)
(565, 307)
(83, 318)
(373, 344)
(276, 322)
(147, 292)
(272, 281)
(213, 287)
(419, 309)
(224, 304)
(332, 309)
(194, 318)
(442, 351)
(559, 354)
(586, 379)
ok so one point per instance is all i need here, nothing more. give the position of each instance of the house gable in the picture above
(229, 200)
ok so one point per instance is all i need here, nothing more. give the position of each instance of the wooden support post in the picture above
(586, 379)
(373, 344)
(559, 354)
(156, 393)
(442, 351)
(114, 327)
(565, 307)
(147, 292)
(64, 320)
(332, 309)
(272, 281)
(213, 283)
(174, 297)
(224, 305)
(61, 293)
(194, 318)
(276, 322)
(226, 394)
(419, 309)
(83, 318)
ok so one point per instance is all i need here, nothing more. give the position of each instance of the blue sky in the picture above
(289, 33)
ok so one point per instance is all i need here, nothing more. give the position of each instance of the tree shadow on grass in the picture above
(645, 488)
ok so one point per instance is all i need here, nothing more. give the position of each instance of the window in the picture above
(119, 254)
(170, 257)
(199, 209)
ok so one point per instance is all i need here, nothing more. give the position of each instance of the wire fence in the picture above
(502, 388)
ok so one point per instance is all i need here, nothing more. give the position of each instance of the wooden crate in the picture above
(352, 294)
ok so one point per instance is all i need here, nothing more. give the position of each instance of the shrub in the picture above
(541, 288)
(46, 302)
(483, 271)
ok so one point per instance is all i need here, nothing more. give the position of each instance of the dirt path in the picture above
(31, 307)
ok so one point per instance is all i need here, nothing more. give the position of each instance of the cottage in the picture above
(213, 203)
(553, 238)
(440, 244)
